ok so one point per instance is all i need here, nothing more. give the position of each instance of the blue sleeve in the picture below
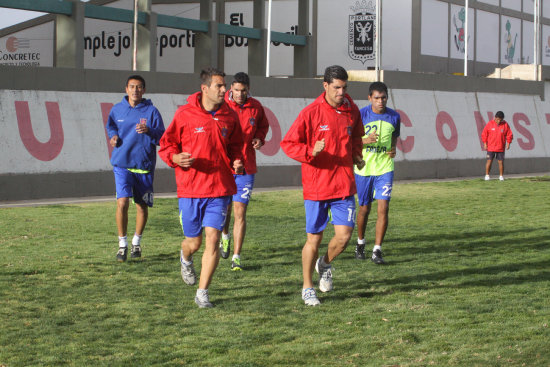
(397, 125)
(157, 127)
(111, 127)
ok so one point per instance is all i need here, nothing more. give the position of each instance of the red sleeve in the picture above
(295, 144)
(235, 145)
(485, 133)
(170, 143)
(356, 136)
(509, 134)
(263, 125)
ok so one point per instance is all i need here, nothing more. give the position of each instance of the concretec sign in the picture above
(49, 131)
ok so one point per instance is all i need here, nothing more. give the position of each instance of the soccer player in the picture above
(495, 135)
(375, 180)
(326, 139)
(203, 143)
(254, 126)
(134, 128)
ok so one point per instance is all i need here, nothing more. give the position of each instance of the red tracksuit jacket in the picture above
(254, 124)
(329, 175)
(496, 136)
(215, 143)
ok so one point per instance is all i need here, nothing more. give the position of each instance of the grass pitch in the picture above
(467, 283)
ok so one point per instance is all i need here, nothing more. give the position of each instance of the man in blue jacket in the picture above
(134, 127)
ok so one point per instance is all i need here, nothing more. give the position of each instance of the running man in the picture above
(375, 180)
(326, 139)
(134, 128)
(254, 126)
(203, 143)
(496, 134)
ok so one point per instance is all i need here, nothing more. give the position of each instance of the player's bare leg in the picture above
(225, 240)
(239, 226)
(381, 227)
(362, 220)
(189, 246)
(501, 170)
(210, 257)
(142, 213)
(122, 216)
(338, 243)
(310, 253)
(488, 166)
(122, 205)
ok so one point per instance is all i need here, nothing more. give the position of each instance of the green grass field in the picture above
(467, 284)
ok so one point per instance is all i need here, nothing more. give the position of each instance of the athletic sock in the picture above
(122, 241)
(226, 236)
(377, 247)
(185, 262)
(136, 241)
(360, 242)
(236, 257)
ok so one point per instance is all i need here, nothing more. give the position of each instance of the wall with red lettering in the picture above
(48, 131)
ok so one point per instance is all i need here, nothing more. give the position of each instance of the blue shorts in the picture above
(138, 186)
(342, 212)
(196, 213)
(374, 187)
(245, 184)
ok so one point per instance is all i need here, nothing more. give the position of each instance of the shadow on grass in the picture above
(500, 275)
(471, 243)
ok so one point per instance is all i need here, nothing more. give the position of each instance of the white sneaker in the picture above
(310, 297)
(188, 273)
(202, 300)
(325, 276)
(501, 178)
(487, 178)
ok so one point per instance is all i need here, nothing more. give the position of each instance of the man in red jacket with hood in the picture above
(254, 125)
(326, 139)
(495, 134)
(203, 143)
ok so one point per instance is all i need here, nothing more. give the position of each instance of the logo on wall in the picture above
(510, 46)
(459, 29)
(361, 31)
(13, 43)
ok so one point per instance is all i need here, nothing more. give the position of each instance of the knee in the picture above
(123, 203)
(192, 245)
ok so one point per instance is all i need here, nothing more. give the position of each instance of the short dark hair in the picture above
(335, 72)
(208, 73)
(499, 114)
(379, 87)
(241, 78)
(136, 77)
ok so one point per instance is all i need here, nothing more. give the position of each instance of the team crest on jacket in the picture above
(199, 130)
(361, 30)
(324, 128)
(252, 121)
(224, 131)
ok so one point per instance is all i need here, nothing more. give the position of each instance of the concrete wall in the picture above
(53, 142)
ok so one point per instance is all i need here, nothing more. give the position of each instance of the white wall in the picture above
(436, 125)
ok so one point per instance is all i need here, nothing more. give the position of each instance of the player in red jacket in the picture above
(254, 126)
(495, 135)
(203, 143)
(326, 139)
